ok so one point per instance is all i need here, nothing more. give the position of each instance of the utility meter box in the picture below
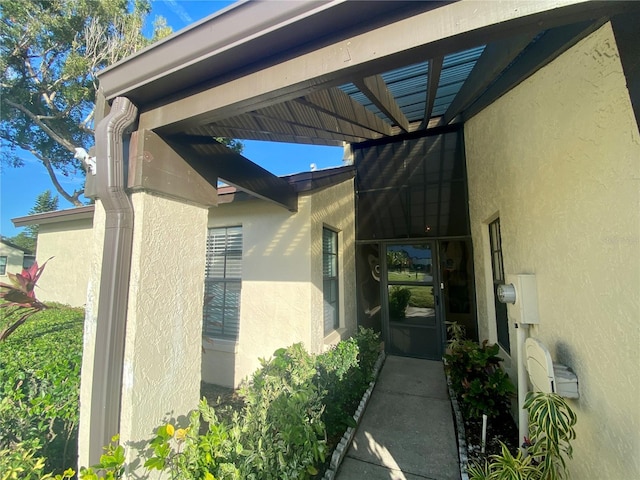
(525, 307)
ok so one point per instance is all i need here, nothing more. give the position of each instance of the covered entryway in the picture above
(414, 252)
(394, 81)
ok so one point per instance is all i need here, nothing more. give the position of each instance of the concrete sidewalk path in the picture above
(407, 431)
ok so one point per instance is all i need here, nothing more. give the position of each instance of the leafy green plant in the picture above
(551, 422)
(189, 455)
(20, 299)
(22, 462)
(398, 301)
(283, 430)
(369, 348)
(280, 431)
(111, 466)
(341, 383)
(476, 377)
(39, 385)
(505, 467)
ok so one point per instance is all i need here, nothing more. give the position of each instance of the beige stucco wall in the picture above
(15, 257)
(161, 373)
(66, 276)
(161, 378)
(558, 160)
(89, 334)
(281, 298)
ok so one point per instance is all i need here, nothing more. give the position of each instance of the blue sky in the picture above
(19, 187)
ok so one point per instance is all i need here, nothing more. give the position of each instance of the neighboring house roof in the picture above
(13, 245)
(77, 213)
(301, 182)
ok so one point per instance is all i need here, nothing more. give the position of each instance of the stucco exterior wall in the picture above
(89, 334)
(161, 377)
(557, 159)
(66, 276)
(281, 299)
(334, 208)
(15, 258)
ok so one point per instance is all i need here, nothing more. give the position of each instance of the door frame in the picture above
(434, 243)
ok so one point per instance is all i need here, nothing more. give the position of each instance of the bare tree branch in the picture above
(71, 198)
(60, 140)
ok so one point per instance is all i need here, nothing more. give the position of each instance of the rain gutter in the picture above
(114, 280)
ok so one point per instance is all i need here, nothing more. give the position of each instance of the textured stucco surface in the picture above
(558, 159)
(89, 340)
(66, 276)
(15, 258)
(281, 299)
(161, 379)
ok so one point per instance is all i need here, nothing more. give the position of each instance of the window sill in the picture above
(333, 338)
(219, 345)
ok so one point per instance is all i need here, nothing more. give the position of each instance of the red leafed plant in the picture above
(19, 297)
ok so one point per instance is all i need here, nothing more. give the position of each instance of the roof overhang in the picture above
(343, 72)
(70, 214)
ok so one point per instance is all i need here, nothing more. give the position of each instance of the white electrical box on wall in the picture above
(525, 307)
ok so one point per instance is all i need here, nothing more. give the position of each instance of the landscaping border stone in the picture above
(344, 443)
(463, 458)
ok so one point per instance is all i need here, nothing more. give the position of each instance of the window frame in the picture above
(3, 266)
(498, 278)
(330, 282)
(219, 273)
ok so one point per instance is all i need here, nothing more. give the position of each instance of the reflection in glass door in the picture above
(412, 320)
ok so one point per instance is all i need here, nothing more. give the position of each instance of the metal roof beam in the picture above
(625, 29)
(381, 49)
(268, 136)
(433, 80)
(377, 91)
(494, 59)
(553, 43)
(204, 152)
(254, 126)
(335, 102)
(300, 114)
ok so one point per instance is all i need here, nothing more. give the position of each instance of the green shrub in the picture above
(477, 379)
(280, 432)
(39, 385)
(21, 461)
(210, 455)
(344, 373)
(368, 342)
(283, 432)
(398, 301)
(341, 383)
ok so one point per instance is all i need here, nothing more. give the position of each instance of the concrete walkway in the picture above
(407, 431)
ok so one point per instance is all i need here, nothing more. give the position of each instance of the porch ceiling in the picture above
(325, 73)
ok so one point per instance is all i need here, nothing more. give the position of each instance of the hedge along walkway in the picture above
(407, 431)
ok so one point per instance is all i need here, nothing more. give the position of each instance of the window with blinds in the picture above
(330, 279)
(223, 281)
